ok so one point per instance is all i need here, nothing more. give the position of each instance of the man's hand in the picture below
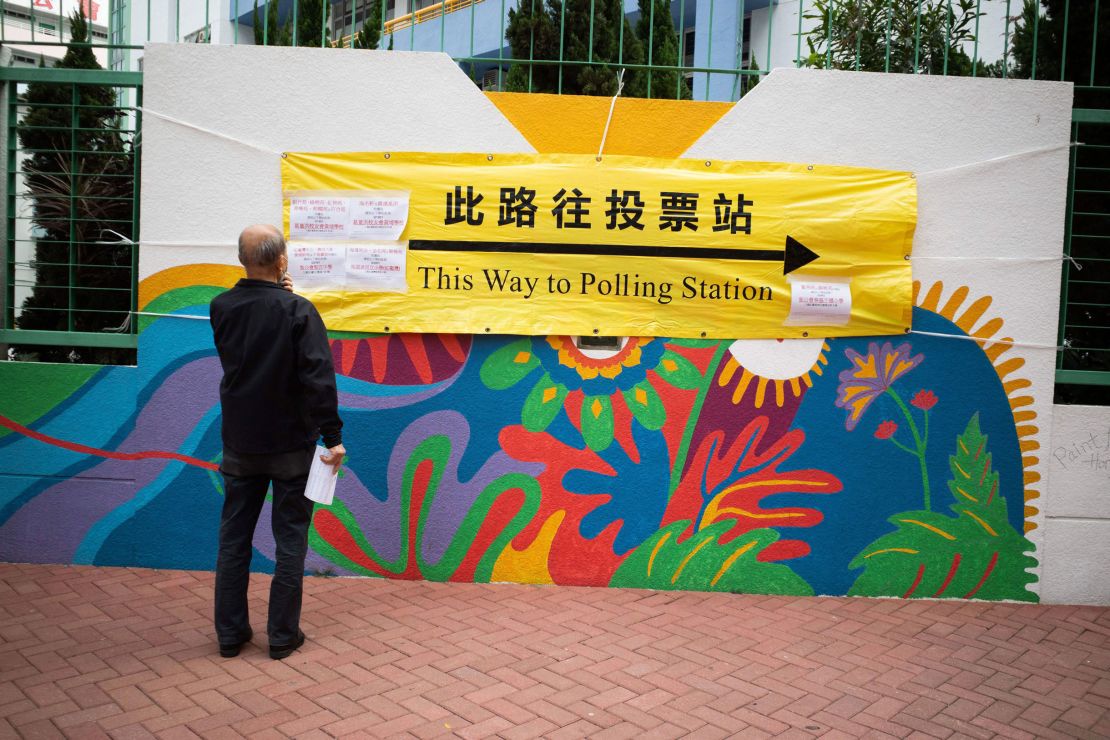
(287, 282)
(335, 456)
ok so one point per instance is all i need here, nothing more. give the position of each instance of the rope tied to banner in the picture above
(609, 119)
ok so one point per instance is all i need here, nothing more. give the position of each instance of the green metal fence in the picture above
(550, 45)
(72, 194)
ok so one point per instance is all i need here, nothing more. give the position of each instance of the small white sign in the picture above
(819, 301)
(317, 264)
(377, 266)
(319, 217)
(380, 216)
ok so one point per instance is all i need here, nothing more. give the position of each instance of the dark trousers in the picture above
(292, 512)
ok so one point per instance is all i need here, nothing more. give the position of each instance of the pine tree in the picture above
(80, 178)
(656, 31)
(311, 24)
(370, 35)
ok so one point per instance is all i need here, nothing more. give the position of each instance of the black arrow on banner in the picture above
(793, 256)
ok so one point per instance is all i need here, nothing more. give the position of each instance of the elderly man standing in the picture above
(277, 397)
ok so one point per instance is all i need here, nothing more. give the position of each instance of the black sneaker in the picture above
(231, 649)
(281, 652)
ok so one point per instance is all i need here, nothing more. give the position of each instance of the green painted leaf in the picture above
(694, 342)
(543, 403)
(646, 405)
(678, 371)
(507, 366)
(975, 553)
(701, 563)
(597, 421)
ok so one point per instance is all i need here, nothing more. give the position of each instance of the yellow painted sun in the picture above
(780, 366)
(970, 320)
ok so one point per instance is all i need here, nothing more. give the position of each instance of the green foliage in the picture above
(370, 35)
(920, 36)
(656, 31)
(976, 553)
(312, 18)
(605, 40)
(80, 177)
(702, 563)
(1063, 27)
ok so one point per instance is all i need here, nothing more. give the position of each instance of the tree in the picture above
(534, 31)
(656, 31)
(1078, 22)
(312, 18)
(80, 178)
(913, 36)
(370, 34)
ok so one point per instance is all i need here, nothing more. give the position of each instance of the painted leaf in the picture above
(646, 406)
(701, 563)
(597, 421)
(678, 371)
(508, 365)
(544, 402)
(976, 553)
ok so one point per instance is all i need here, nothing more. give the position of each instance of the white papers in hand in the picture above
(321, 479)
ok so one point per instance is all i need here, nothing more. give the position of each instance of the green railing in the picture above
(570, 46)
(72, 197)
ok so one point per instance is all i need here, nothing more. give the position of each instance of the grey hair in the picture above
(265, 252)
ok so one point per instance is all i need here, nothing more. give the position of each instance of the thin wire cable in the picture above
(202, 129)
(981, 340)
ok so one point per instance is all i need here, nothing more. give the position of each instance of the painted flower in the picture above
(592, 379)
(924, 400)
(886, 430)
(871, 375)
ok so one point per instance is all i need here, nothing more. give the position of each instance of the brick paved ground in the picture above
(93, 652)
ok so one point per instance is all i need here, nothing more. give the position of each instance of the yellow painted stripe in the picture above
(772, 482)
(753, 515)
(907, 550)
(655, 551)
(960, 469)
(731, 559)
(982, 524)
(930, 527)
(966, 495)
(685, 560)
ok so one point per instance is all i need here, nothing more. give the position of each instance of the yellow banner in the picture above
(568, 244)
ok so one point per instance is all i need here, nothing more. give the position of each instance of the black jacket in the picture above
(278, 390)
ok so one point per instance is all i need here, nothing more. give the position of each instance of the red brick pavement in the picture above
(95, 652)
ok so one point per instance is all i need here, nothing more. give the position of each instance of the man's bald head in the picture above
(261, 246)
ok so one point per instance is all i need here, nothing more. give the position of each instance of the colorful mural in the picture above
(877, 467)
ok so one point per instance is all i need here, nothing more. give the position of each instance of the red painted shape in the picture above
(454, 348)
(418, 356)
(500, 513)
(951, 574)
(783, 550)
(916, 581)
(379, 356)
(986, 573)
(331, 528)
(86, 450)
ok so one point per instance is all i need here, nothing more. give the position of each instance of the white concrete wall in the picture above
(991, 158)
(1077, 514)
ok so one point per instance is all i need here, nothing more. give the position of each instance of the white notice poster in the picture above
(377, 266)
(819, 301)
(379, 215)
(316, 264)
(321, 479)
(319, 217)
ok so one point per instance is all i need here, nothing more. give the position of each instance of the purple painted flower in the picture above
(870, 375)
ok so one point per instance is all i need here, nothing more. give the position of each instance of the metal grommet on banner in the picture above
(285, 155)
(809, 167)
(708, 163)
(805, 333)
(907, 330)
(703, 334)
(596, 331)
(906, 257)
(489, 157)
(386, 155)
(487, 329)
(913, 176)
(387, 328)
